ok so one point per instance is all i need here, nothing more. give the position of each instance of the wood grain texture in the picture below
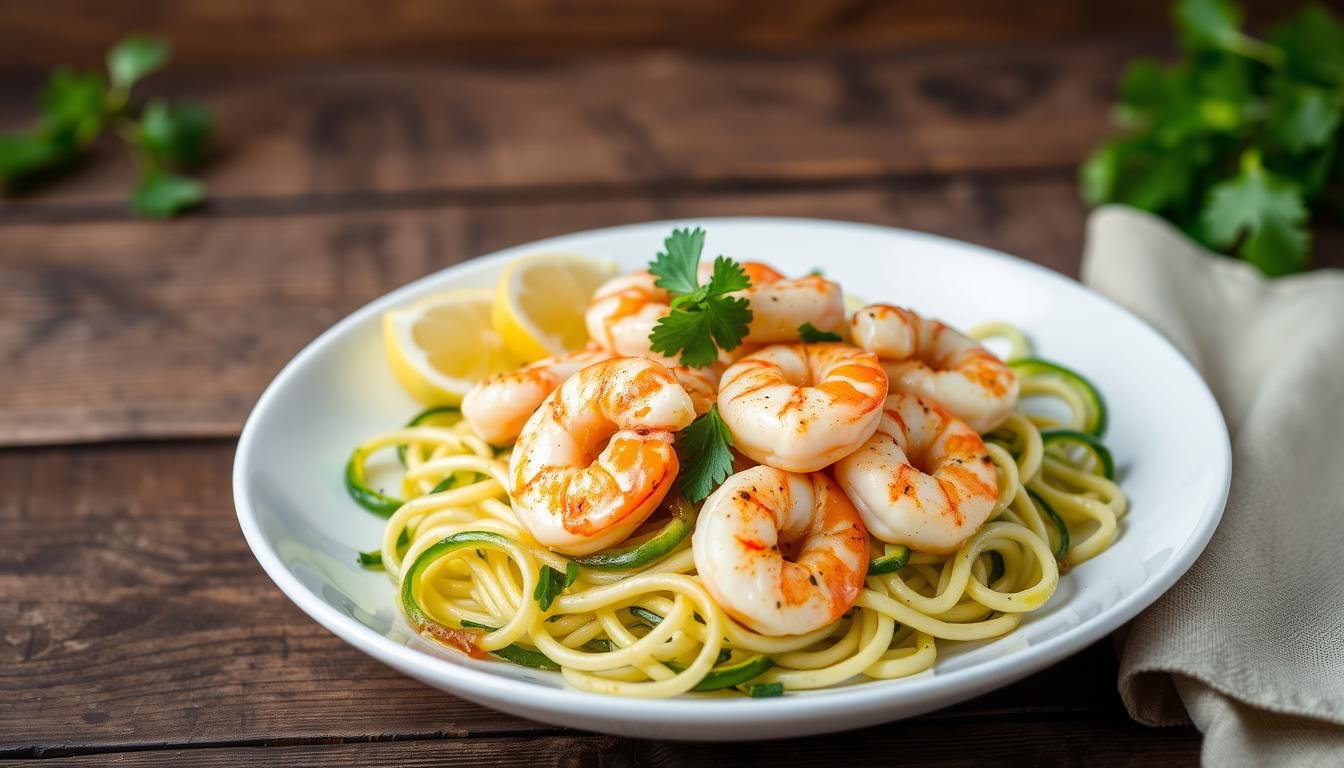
(133, 329)
(662, 121)
(251, 33)
(910, 744)
(132, 616)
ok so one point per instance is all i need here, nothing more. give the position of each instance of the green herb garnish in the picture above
(811, 334)
(550, 583)
(703, 319)
(705, 459)
(1239, 144)
(78, 107)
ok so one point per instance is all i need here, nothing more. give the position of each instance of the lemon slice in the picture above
(441, 345)
(540, 300)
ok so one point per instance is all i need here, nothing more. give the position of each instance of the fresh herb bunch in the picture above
(78, 107)
(1239, 143)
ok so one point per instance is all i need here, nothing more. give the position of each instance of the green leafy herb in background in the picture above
(1239, 143)
(78, 107)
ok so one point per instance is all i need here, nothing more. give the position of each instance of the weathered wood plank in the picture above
(247, 33)
(132, 616)
(1083, 741)
(132, 329)
(654, 118)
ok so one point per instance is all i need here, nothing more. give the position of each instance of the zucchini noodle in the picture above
(637, 621)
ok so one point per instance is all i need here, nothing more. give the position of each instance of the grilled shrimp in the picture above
(779, 305)
(497, 407)
(743, 532)
(924, 479)
(702, 384)
(595, 460)
(625, 309)
(623, 312)
(800, 407)
(926, 357)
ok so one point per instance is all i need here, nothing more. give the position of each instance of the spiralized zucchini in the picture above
(638, 622)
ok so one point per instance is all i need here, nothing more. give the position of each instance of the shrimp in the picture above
(800, 407)
(625, 309)
(925, 357)
(497, 407)
(623, 312)
(702, 384)
(746, 527)
(597, 458)
(781, 306)
(924, 479)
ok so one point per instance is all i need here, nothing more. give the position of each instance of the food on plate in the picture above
(708, 488)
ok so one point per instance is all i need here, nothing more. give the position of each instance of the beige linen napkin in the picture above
(1250, 643)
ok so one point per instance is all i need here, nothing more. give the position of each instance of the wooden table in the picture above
(138, 629)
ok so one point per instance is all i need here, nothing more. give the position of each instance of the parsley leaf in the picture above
(1313, 45)
(676, 267)
(811, 334)
(1303, 117)
(174, 135)
(550, 583)
(134, 58)
(72, 107)
(161, 195)
(1216, 25)
(78, 107)
(24, 155)
(1274, 109)
(704, 319)
(1268, 211)
(705, 459)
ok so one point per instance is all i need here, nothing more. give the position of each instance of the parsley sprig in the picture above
(1241, 142)
(78, 107)
(705, 459)
(704, 319)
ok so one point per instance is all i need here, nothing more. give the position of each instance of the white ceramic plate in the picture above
(1166, 433)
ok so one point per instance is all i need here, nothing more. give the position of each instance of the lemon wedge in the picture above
(442, 344)
(540, 300)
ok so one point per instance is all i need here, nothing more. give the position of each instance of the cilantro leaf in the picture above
(1312, 41)
(550, 583)
(24, 155)
(698, 331)
(1215, 25)
(174, 135)
(811, 334)
(728, 276)
(77, 107)
(1303, 117)
(705, 459)
(1267, 211)
(161, 195)
(1186, 125)
(675, 268)
(1206, 24)
(72, 107)
(134, 58)
(704, 318)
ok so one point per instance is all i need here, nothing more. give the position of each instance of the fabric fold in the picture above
(1249, 644)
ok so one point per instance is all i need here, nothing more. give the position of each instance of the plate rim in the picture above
(490, 688)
